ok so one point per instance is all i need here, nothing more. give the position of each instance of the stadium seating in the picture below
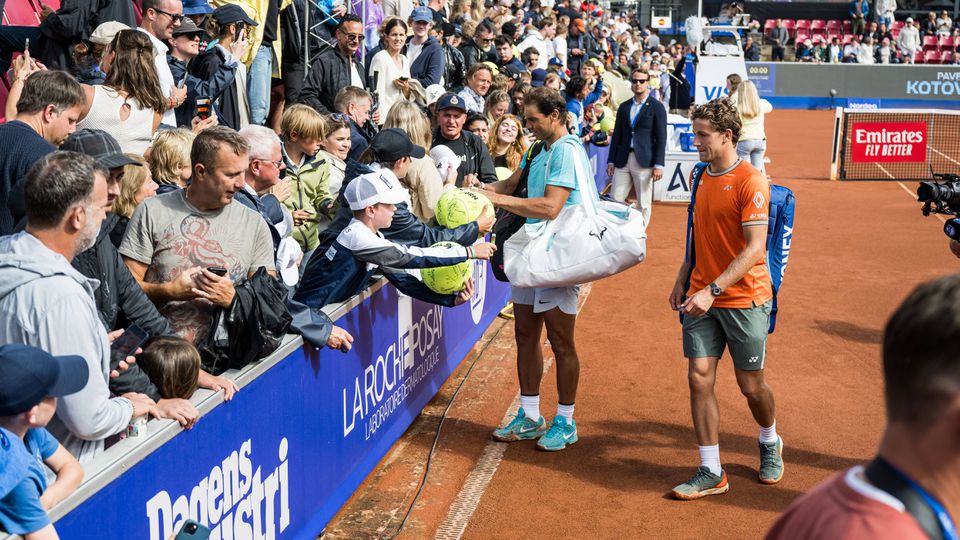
(20, 14)
(918, 57)
(790, 25)
(818, 38)
(802, 36)
(947, 43)
(931, 43)
(768, 24)
(847, 27)
(818, 27)
(948, 57)
(895, 32)
(847, 38)
(897, 25)
(834, 27)
(931, 57)
(803, 24)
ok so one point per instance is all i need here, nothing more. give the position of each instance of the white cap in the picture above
(433, 92)
(104, 33)
(909, 19)
(372, 188)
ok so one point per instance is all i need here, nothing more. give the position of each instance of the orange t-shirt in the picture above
(724, 204)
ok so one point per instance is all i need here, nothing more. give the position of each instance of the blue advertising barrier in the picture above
(598, 160)
(281, 458)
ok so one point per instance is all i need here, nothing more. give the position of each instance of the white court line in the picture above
(463, 507)
(948, 158)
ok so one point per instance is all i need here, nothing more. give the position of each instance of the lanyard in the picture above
(946, 522)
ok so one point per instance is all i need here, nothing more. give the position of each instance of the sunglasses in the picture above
(639, 81)
(338, 117)
(174, 17)
(352, 37)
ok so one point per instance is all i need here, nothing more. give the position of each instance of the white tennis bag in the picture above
(587, 241)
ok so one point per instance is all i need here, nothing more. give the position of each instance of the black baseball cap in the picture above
(392, 144)
(99, 145)
(29, 375)
(451, 101)
(230, 13)
(512, 71)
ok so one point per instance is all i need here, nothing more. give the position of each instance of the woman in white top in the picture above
(390, 70)
(334, 149)
(423, 181)
(129, 104)
(753, 138)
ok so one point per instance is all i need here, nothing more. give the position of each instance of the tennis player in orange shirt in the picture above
(729, 298)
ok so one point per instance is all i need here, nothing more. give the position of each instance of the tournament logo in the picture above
(480, 289)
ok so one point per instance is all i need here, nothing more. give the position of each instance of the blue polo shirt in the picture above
(20, 510)
(560, 162)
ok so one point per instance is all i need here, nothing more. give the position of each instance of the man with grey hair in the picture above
(47, 303)
(188, 247)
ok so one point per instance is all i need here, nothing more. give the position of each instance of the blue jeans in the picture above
(752, 150)
(258, 85)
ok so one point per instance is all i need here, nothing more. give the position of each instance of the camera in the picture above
(942, 197)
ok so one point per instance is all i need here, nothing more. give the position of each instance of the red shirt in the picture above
(846, 507)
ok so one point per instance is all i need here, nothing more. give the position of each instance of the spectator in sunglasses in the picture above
(336, 68)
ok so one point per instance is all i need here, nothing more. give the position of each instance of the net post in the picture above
(837, 143)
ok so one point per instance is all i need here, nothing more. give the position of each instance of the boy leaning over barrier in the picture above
(31, 380)
(348, 265)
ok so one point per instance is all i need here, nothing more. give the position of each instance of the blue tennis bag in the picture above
(779, 233)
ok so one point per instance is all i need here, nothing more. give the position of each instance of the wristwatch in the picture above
(715, 290)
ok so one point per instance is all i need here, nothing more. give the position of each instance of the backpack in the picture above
(507, 222)
(779, 234)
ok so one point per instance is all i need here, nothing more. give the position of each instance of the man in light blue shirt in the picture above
(551, 186)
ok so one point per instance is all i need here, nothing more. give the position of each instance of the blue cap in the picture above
(538, 77)
(451, 101)
(196, 7)
(422, 14)
(555, 62)
(29, 375)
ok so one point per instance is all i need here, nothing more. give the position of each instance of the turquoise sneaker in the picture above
(771, 462)
(702, 483)
(559, 435)
(521, 428)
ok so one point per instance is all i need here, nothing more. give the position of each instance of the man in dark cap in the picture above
(475, 160)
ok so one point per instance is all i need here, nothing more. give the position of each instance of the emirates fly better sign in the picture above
(888, 142)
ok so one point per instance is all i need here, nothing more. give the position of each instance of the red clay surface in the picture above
(859, 249)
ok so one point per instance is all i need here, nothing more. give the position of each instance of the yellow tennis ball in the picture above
(458, 207)
(447, 279)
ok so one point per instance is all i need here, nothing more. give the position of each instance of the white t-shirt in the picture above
(413, 51)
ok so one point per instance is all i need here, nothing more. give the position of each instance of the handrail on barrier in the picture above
(124, 454)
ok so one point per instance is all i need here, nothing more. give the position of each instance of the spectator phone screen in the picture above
(127, 344)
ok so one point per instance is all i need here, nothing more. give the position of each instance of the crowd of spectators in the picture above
(172, 164)
(867, 37)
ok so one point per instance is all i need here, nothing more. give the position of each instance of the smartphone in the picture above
(239, 32)
(203, 107)
(127, 344)
(191, 530)
(404, 79)
(218, 270)
(26, 48)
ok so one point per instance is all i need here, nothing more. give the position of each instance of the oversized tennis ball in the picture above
(458, 207)
(447, 279)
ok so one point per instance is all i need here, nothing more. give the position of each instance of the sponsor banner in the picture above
(888, 142)
(281, 458)
(598, 162)
(712, 74)
(675, 184)
(764, 76)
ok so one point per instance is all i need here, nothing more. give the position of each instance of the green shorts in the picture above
(744, 330)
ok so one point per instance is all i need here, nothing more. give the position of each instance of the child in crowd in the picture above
(360, 250)
(310, 200)
(31, 380)
(173, 365)
(335, 149)
(169, 159)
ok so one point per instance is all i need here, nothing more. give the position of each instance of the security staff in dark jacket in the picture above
(335, 68)
(474, 157)
(189, 35)
(478, 49)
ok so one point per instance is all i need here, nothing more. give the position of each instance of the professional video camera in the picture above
(943, 198)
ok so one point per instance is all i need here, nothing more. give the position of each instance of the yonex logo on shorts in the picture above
(758, 200)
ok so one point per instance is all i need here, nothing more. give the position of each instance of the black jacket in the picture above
(120, 302)
(454, 71)
(221, 80)
(679, 87)
(478, 160)
(405, 229)
(251, 329)
(473, 54)
(73, 23)
(227, 103)
(329, 74)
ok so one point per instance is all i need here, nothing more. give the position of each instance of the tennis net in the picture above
(895, 144)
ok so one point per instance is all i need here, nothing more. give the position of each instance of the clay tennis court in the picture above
(859, 248)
